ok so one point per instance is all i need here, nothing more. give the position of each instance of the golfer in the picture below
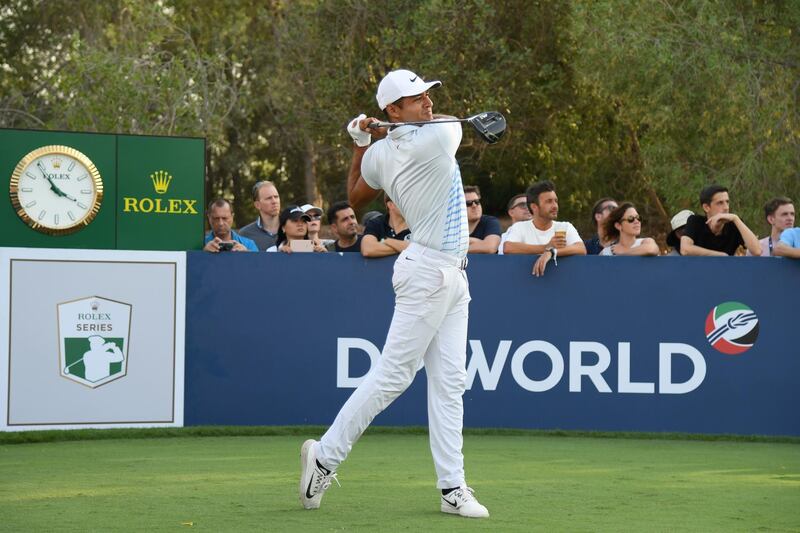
(416, 167)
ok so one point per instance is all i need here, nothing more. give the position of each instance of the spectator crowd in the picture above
(535, 228)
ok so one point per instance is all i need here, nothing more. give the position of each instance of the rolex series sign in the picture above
(88, 190)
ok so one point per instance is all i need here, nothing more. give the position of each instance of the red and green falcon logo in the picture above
(732, 328)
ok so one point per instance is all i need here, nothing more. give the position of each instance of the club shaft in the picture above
(420, 123)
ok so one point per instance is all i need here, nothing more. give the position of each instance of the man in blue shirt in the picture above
(789, 245)
(222, 238)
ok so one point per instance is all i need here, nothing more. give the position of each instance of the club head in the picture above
(490, 125)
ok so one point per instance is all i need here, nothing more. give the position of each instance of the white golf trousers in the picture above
(429, 323)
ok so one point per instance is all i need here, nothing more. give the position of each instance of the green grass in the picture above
(529, 482)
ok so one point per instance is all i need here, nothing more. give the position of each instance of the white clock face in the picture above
(58, 189)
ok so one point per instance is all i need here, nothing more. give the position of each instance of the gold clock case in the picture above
(64, 150)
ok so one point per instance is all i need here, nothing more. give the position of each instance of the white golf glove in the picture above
(361, 138)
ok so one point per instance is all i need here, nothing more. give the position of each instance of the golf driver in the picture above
(66, 370)
(490, 125)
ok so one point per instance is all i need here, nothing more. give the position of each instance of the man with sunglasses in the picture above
(484, 230)
(518, 211)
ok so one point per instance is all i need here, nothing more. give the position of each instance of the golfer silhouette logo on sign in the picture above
(93, 336)
(97, 361)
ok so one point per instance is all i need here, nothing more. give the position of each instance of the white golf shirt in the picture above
(417, 168)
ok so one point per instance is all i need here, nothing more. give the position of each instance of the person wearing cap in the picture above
(222, 238)
(315, 225)
(264, 230)
(678, 224)
(518, 211)
(779, 213)
(344, 225)
(387, 234)
(417, 168)
(293, 227)
(369, 215)
(720, 232)
(600, 211)
(484, 230)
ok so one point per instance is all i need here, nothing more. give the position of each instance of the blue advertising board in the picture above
(699, 345)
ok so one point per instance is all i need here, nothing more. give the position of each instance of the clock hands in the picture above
(53, 186)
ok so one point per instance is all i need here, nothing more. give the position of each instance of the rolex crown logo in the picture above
(56, 163)
(161, 180)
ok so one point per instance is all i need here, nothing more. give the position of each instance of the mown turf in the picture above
(528, 482)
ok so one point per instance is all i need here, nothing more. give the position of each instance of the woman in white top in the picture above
(623, 227)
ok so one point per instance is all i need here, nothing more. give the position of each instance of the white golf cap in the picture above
(400, 83)
(308, 209)
(680, 219)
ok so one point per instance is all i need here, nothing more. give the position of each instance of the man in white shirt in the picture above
(416, 167)
(543, 234)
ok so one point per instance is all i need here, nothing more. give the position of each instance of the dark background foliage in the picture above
(639, 100)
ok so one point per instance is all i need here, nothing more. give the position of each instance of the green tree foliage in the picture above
(709, 89)
(646, 101)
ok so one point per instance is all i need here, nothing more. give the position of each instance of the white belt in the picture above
(434, 257)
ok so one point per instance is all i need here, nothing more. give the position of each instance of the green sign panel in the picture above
(87, 190)
(159, 197)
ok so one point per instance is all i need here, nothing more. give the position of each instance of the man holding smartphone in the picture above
(222, 238)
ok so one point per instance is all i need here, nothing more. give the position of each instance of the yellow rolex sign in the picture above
(160, 193)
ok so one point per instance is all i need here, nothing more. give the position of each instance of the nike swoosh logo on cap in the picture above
(412, 80)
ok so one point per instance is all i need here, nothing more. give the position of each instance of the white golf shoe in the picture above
(315, 479)
(462, 502)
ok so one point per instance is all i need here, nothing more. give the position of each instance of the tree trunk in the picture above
(310, 174)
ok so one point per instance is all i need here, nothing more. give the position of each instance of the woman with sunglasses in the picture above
(622, 228)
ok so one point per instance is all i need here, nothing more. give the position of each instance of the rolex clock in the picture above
(56, 190)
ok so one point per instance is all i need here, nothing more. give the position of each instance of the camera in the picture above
(226, 246)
